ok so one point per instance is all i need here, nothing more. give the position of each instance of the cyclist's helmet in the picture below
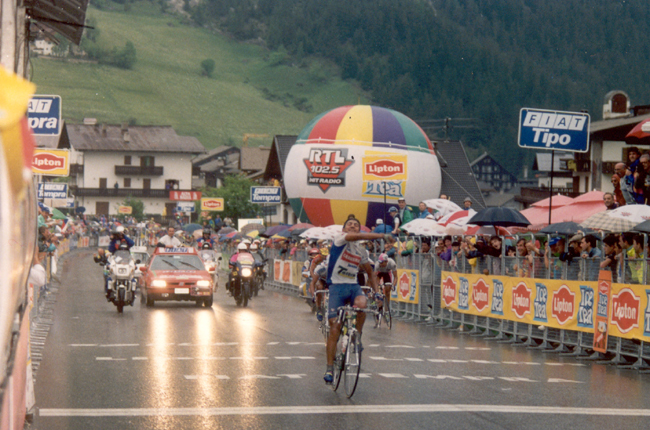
(254, 247)
(119, 229)
(382, 258)
(325, 251)
(242, 247)
(246, 241)
(314, 252)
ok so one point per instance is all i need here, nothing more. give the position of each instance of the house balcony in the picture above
(138, 171)
(122, 192)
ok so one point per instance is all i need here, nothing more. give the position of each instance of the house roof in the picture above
(614, 129)
(458, 180)
(53, 141)
(133, 138)
(254, 159)
(213, 154)
(543, 161)
(495, 200)
(278, 156)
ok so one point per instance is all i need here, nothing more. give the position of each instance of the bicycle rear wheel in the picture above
(388, 318)
(352, 363)
(339, 361)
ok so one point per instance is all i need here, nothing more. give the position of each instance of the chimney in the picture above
(90, 121)
(103, 130)
(125, 133)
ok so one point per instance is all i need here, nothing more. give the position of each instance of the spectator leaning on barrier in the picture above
(493, 249)
(636, 260)
(554, 250)
(610, 262)
(610, 202)
(626, 241)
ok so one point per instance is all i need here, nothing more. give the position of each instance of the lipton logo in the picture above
(480, 294)
(326, 167)
(384, 168)
(563, 304)
(603, 287)
(404, 285)
(521, 300)
(449, 291)
(625, 310)
(212, 204)
(46, 161)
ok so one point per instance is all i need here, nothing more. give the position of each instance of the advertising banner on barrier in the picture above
(602, 311)
(568, 305)
(277, 270)
(286, 272)
(407, 289)
(296, 274)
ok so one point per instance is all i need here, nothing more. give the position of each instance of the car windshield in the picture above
(177, 262)
(122, 256)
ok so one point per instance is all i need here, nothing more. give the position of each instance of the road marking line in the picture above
(118, 345)
(344, 409)
(139, 358)
(222, 377)
(458, 361)
(436, 360)
(447, 347)
(479, 378)
(516, 379)
(364, 375)
(385, 359)
(294, 375)
(413, 359)
(273, 343)
(294, 343)
(485, 362)
(82, 344)
(400, 346)
(259, 377)
(437, 377)
(552, 380)
(392, 375)
(192, 377)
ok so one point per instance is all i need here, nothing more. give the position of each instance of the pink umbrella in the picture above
(590, 197)
(558, 201)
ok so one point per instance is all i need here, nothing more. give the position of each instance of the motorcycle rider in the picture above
(118, 237)
(205, 238)
(241, 249)
(260, 261)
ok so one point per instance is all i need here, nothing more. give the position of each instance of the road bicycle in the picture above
(324, 323)
(347, 362)
(383, 312)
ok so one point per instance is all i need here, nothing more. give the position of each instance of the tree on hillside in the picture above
(207, 67)
(236, 191)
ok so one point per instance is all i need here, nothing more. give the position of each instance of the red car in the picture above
(176, 274)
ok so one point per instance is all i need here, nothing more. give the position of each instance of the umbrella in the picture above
(252, 227)
(499, 217)
(424, 227)
(191, 228)
(644, 227)
(234, 235)
(558, 201)
(197, 234)
(473, 230)
(442, 206)
(640, 134)
(253, 234)
(590, 197)
(602, 221)
(298, 231)
(271, 231)
(459, 217)
(634, 213)
(226, 230)
(313, 233)
(57, 214)
(568, 228)
(304, 225)
(382, 228)
(284, 233)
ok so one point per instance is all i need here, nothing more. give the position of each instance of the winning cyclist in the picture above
(386, 271)
(346, 257)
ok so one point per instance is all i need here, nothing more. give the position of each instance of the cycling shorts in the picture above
(340, 294)
(385, 276)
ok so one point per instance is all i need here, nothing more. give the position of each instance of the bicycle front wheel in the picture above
(388, 317)
(339, 362)
(352, 363)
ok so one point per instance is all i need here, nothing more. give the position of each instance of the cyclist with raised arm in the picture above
(386, 270)
(347, 256)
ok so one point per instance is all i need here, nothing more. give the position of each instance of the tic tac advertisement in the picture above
(568, 305)
(407, 288)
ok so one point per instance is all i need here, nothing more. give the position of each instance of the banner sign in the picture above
(266, 194)
(557, 130)
(568, 305)
(602, 311)
(44, 115)
(185, 207)
(407, 287)
(187, 196)
(215, 204)
(51, 162)
(52, 190)
(127, 210)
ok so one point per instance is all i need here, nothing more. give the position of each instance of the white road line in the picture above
(82, 344)
(485, 362)
(437, 377)
(259, 377)
(294, 375)
(447, 347)
(392, 375)
(413, 359)
(191, 377)
(400, 346)
(345, 409)
(516, 379)
(386, 359)
(140, 358)
(273, 343)
(109, 359)
(118, 345)
(559, 380)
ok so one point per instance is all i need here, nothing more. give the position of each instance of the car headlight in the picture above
(159, 283)
(203, 283)
(246, 272)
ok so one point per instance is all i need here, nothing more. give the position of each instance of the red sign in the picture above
(521, 300)
(602, 313)
(563, 304)
(326, 167)
(185, 196)
(449, 291)
(385, 168)
(480, 294)
(46, 161)
(625, 310)
(404, 285)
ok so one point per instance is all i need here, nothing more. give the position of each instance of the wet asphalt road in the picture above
(176, 366)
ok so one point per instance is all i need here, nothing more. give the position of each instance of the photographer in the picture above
(118, 237)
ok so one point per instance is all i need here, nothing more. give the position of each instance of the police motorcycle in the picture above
(211, 260)
(122, 280)
(259, 270)
(240, 281)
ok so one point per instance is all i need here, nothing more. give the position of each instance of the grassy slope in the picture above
(165, 86)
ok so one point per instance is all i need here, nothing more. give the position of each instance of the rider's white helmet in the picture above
(254, 247)
(119, 229)
(242, 247)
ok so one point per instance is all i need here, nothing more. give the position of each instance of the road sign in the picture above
(51, 162)
(44, 115)
(52, 190)
(266, 195)
(557, 130)
(185, 196)
(215, 204)
(185, 207)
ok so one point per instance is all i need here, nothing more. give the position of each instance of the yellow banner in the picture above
(389, 167)
(51, 162)
(125, 210)
(212, 204)
(568, 305)
(407, 288)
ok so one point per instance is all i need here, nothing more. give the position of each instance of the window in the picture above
(102, 182)
(171, 184)
(127, 160)
(147, 161)
(146, 184)
(127, 182)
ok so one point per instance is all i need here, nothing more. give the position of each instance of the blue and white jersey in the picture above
(344, 261)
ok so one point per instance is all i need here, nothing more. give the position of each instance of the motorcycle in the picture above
(211, 261)
(241, 278)
(122, 281)
(259, 275)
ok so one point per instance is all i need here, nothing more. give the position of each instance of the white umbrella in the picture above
(459, 218)
(442, 206)
(424, 227)
(326, 233)
(635, 213)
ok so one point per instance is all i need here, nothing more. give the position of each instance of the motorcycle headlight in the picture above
(122, 271)
(246, 272)
(159, 283)
(203, 283)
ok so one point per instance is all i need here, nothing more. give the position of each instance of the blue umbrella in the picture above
(382, 228)
(272, 231)
(191, 228)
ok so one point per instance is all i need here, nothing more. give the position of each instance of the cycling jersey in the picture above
(390, 266)
(344, 262)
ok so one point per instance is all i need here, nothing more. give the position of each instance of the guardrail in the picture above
(424, 272)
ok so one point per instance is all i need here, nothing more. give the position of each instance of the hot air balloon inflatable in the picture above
(359, 160)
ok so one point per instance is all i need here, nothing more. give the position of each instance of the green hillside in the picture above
(251, 90)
